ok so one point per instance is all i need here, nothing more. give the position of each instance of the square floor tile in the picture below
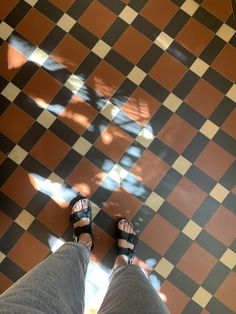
(229, 259)
(163, 41)
(109, 111)
(113, 142)
(145, 137)
(181, 165)
(199, 67)
(225, 293)
(190, 7)
(82, 146)
(229, 124)
(221, 9)
(38, 56)
(186, 197)
(192, 229)
(219, 192)
(154, 201)
(46, 119)
(66, 22)
(225, 32)
(5, 30)
(18, 154)
(164, 267)
(209, 129)
(202, 297)
(128, 14)
(172, 102)
(10, 91)
(24, 219)
(101, 49)
(136, 75)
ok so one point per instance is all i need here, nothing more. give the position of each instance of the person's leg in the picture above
(56, 285)
(129, 290)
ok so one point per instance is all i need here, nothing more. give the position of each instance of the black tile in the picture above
(52, 39)
(163, 151)
(25, 74)
(230, 202)
(96, 128)
(178, 2)
(68, 234)
(132, 154)
(186, 84)
(67, 164)
(11, 270)
(50, 10)
(119, 62)
(114, 31)
(173, 215)
(183, 282)
(154, 89)
(142, 218)
(150, 57)
(100, 159)
(225, 141)
(192, 308)
(215, 306)
(4, 103)
(208, 207)
(229, 179)
(3, 83)
(27, 104)
(233, 246)
(222, 111)
(9, 207)
(106, 223)
(10, 237)
(124, 91)
(181, 54)
(64, 132)
(87, 66)
(43, 234)
(37, 203)
(83, 35)
(61, 99)
(109, 259)
(6, 169)
(213, 49)
(17, 13)
(115, 6)
(215, 278)
(217, 80)
(32, 136)
(231, 20)
(210, 244)
(207, 19)
(124, 122)
(146, 28)
(21, 44)
(6, 145)
(137, 5)
(168, 183)
(78, 8)
(233, 40)
(104, 191)
(196, 146)
(159, 119)
(178, 248)
(146, 253)
(31, 165)
(200, 178)
(93, 98)
(191, 116)
(177, 23)
(137, 188)
(57, 70)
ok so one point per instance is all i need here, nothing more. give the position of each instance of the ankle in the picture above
(121, 260)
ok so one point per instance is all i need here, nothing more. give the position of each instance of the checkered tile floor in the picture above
(131, 103)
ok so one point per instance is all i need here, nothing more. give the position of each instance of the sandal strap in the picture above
(125, 251)
(76, 216)
(84, 229)
(129, 237)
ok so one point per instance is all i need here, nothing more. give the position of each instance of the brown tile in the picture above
(2, 157)
(214, 160)
(34, 26)
(97, 18)
(197, 263)
(103, 242)
(28, 252)
(11, 61)
(86, 177)
(222, 225)
(221, 9)
(168, 71)
(6, 221)
(225, 62)
(78, 115)
(204, 98)
(177, 133)
(186, 197)
(229, 126)
(150, 169)
(122, 204)
(105, 79)
(63, 5)
(226, 291)
(14, 122)
(6, 7)
(194, 36)
(141, 106)
(176, 300)
(159, 234)
(132, 45)
(50, 150)
(70, 52)
(5, 283)
(42, 87)
(166, 10)
(19, 188)
(113, 142)
(54, 217)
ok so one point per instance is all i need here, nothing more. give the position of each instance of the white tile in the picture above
(38, 56)
(219, 192)
(5, 30)
(199, 67)
(202, 297)
(109, 111)
(225, 32)
(164, 267)
(172, 102)
(118, 173)
(24, 219)
(145, 137)
(66, 22)
(181, 165)
(2, 256)
(163, 41)
(136, 75)
(128, 14)
(190, 7)
(101, 49)
(46, 118)
(232, 93)
(154, 201)
(209, 129)
(192, 230)
(18, 154)
(57, 245)
(229, 259)
(10, 91)
(95, 209)
(31, 2)
(82, 146)
(54, 178)
(74, 83)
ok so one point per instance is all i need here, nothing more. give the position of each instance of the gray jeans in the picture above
(56, 285)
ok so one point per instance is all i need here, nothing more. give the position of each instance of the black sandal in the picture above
(129, 237)
(76, 216)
